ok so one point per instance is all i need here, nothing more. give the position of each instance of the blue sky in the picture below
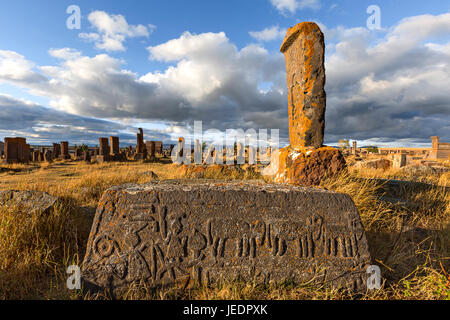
(168, 63)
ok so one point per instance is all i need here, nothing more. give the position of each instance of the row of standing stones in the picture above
(186, 233)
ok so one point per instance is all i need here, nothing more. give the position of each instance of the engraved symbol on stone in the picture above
(104, 246)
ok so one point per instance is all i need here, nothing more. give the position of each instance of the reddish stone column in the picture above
(304, 50)
(65, 150)
(115, 149)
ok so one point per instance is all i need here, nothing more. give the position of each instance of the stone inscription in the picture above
(170, 234)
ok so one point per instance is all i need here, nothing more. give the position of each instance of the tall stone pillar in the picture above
(56, 150)
(115, 149)
(198, 154)
(65, 150)
(304, 50)
(180, 150)
(240, 158)
(354, 148)
(306, 161)
(104, 146)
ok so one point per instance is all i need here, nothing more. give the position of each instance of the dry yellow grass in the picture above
(410, 245)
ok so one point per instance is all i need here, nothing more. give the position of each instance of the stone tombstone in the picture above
(198, 154)
(48, 156)
(78, 153)
(56, 150)
(140, 141)
(304, 50)
(86, 156)
(151, 148)
(252, 155)
(115, 146)
(209, 155)
(180, 233)
(399, 160)
(180, 151)
(230, 155)
(16, 150)
(159, 147)
(36, 157)
(240, 153)
(104, 147)
(65, 150)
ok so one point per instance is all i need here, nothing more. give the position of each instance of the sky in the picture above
(161, 65)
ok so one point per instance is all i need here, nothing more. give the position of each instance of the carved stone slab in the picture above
(180, 233)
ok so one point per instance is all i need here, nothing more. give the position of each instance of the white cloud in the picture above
(387, 86)
(113, 30)
(291, 6)
(269, 34)
(15, 68)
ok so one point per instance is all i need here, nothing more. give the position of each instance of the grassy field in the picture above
(409, 240)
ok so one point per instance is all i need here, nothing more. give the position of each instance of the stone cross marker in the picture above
(178, 233)
(304, 50)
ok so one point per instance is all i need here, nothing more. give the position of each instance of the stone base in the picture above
(182, 233)
(307, 167)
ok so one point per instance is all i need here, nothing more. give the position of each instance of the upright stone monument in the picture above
(48, 156)
(252, 159)
(65, 150)
(306, 161)
(304, 49)
(36, 156)
(86, 156)
(104, 152)
(16, 150)
(184, 233)
(354, 148)
(399, 160)
(141, 150)
(159, 147)
(115, 146)
(56, 150)
(240, 158)
(151, 149)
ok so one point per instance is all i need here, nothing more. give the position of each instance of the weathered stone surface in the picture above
(375, 164)
(399, 161)
(304, 49)
(65, 150)
(86, 156)
(16, 150)
(31, 201)
(305, 168)
(115, 146)
(181, 233)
